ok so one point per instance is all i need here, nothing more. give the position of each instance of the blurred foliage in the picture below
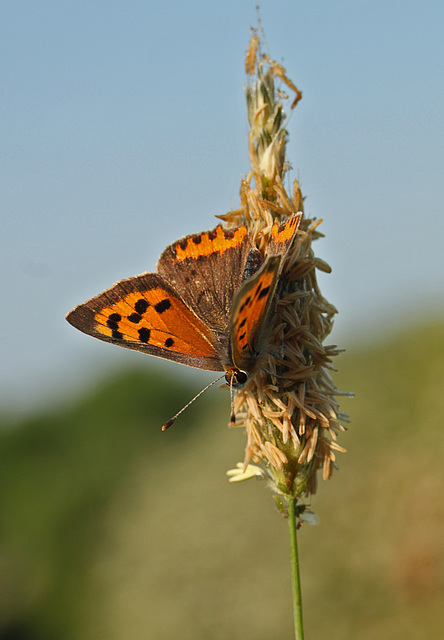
(110, 528)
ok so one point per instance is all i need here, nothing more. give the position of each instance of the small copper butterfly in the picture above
(207, 306)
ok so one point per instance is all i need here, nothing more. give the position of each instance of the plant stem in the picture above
(295, 578)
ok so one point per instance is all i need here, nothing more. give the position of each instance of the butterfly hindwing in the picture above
(146, 314)
(206, 270)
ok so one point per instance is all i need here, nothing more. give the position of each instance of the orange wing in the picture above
(144, 313)
(250, 317)
(282, 235)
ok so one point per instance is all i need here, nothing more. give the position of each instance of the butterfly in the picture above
(209, 304)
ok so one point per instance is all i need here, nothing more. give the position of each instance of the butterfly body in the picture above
(207, 306)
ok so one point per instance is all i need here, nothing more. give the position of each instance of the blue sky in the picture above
(123, 128)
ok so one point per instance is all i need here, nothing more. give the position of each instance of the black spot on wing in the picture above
(141, 306)
(144, 335)
(113, 324)
(263, 292)
(245, 304)
(163, 305)
(113, 320)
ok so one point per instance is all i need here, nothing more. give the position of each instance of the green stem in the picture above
(295, 578)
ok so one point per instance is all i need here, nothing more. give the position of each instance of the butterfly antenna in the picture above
(168, 424)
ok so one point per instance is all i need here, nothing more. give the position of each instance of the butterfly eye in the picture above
(236, 378)
(241, 377)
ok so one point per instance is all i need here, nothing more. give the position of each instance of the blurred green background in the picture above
(112, 529)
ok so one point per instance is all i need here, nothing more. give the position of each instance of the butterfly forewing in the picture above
(282, 235)
(250, 316)
(145, 314)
